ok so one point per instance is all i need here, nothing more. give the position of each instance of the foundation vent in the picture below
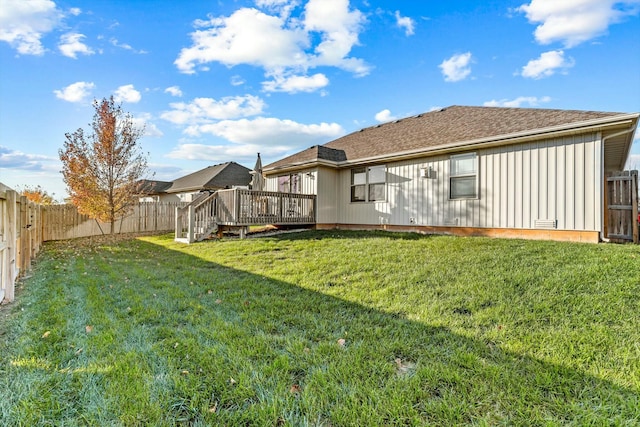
(545, 223)
(451, 222)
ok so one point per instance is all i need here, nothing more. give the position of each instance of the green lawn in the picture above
(324, 329)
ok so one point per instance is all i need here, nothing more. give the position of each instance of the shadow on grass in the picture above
(180, 340)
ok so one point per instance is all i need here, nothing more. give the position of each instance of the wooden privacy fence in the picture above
(25, 225)
(20, 238)
(622, 206)
(62, 222)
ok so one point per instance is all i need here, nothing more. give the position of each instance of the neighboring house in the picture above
(184, 189)
(155, 191)
(512, 172)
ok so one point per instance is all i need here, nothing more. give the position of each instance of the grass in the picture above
(324, 329)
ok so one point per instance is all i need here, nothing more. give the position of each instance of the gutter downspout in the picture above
(602, 238)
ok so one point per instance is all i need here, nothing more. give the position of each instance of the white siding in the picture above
(556, 179)
(327, 202)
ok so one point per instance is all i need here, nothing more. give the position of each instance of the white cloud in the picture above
(270, 136)
(19, 169)
(385, 116)
(323, 35)
(457, 67)
(282, 7)
(75, 92)
(127, 93)
(222, 153)
(267, 130)
(405, 22)
(575, 21)
(144, 121)
(24, 23)
(339, 29)
(294, 84)
(71, 44)
(12, 159)
(248, 36)
(206, 110)
(547, 65)
(531, 101)
(273, 4)
(173, 91)
(125, 46)
(237, 80)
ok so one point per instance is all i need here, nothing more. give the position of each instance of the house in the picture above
(224, 175)
(509, 172)
(154, 191)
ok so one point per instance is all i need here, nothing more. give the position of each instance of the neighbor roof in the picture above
(150, 187)
(455, 125)
(224, 175)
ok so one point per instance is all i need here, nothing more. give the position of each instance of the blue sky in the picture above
(216, 81)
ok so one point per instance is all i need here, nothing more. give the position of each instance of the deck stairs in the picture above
(197, 221)
(235, 210)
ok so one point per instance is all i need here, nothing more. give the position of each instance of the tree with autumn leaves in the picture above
(37, 195)
(102, 170)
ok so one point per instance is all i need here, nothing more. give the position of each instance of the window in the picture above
(463, 181)
(289, 183)
(368, 184)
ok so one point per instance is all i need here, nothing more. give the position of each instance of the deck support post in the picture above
(191, 219)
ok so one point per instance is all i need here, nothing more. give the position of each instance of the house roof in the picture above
(455, 127)
(215, 177)
(151, 187)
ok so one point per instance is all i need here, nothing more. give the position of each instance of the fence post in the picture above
(634, 204)
(25, 247)
(178, 223)
(10, 230)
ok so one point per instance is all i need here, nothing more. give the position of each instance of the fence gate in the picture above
(622, 206)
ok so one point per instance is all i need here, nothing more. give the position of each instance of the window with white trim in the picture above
(368, 184)
(463, 178)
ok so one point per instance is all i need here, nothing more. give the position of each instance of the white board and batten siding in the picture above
(554, 183)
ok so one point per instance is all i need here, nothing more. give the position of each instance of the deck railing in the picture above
(242, 208)
(249, 207)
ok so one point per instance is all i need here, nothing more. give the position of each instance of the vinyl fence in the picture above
(20, 238)
(62, 222)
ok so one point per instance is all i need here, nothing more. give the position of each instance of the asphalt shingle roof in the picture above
(149, 186)
(224, 175)
(455, 124)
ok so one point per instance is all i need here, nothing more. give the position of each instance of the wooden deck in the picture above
(238, 208)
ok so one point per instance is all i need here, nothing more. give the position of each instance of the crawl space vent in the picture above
(545, 223)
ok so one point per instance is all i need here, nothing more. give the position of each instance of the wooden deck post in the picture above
(192, 224)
